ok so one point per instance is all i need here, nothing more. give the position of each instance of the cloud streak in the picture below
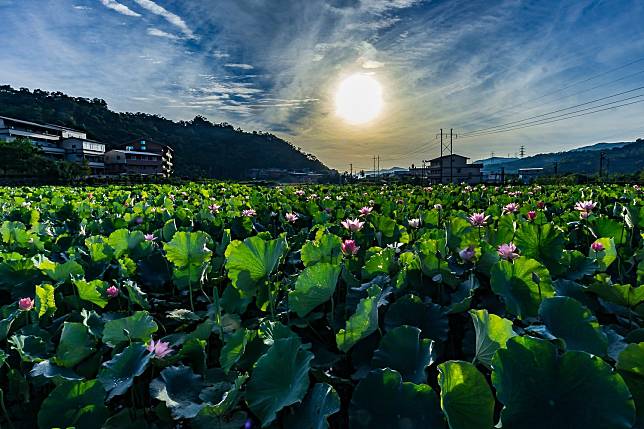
(120, 8)
(173, 19)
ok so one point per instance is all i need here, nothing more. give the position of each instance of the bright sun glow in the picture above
(359, 99)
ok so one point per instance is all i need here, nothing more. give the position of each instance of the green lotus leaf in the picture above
(74, 404)
(609, 228)
(411, 310)
(630, 365)
(48, 369)
(30, 347)
(126, 419)
(117, 374)
(233, 349)
(326, 248)
(75, 345)
(124, 241)
(523, 284)
(59, 273)
(314, 286)
(361, 324)
(321, 402)
(577, 265)
(382, 400)
(279, 379)
(403, 350)
(541, 389)
(625, 295)
(252, 261)
(492, 333)
(225, 400)
(569, 320)
(179, 388)
(138, 327)
(605, 257)
(189, 249)
(382, 262)
(545, 243)
(466, 398)
(45, 300)
(93, 291)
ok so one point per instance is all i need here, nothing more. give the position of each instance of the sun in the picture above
(358, 99)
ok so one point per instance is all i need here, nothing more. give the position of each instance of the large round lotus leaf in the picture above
(138, 327)
(466, 398)
(541, 389)
(117, 374)
(75, 344)
(545, 243)
(179, 388)
(492, 332)
(314, 286)
(321, 401)
(360, 325)
(188, 249)
(402, 349)
(522, 284)
(411, 310)
(280, 378)
(74, 404)
(382, 400)
(630, 365)
(567, 319)
(327, 248)
(252, 260)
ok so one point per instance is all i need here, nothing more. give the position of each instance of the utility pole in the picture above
(503, 175)
(522, 151)
(351, 170)
(446, 148)
(556, 165)
(451, 154)
(378, 167)
(374, 168)
(602, 157)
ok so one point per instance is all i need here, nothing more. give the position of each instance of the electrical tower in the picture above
(522, 151)
(447, 148)
(602, 158)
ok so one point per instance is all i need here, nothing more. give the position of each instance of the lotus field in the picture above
(234, 306)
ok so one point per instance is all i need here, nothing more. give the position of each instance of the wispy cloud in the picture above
(173, 19)
(152, 31)
(120, 8)
(239, 66)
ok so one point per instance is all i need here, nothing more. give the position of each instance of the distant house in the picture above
(56, 142)
(140, 156)
(453, 169)
(528, 175)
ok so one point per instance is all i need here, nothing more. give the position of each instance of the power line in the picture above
(557, 91)
(560, 110)
(551, 120)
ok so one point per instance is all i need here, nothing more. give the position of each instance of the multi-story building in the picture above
(56, 142)
(134, 162)
(453, 169)
(147, 147)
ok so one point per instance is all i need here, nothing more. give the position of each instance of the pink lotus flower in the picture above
(511, 208)
(365, 211)
(584, 215)
(508, 251)
(299, 192)
(414, 223)
(214, 208)
(160, 348)
(112, 292)
(349, 247)
(532, 214)
(467, 254)
(585, 206)
(249, 212)
(25, 304)
(291, 217)
(352, 225)
(597, 246)
(150, 237)
(478, 219)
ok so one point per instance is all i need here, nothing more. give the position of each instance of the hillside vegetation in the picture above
(202, 148)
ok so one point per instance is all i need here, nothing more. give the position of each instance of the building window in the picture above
(129, 147)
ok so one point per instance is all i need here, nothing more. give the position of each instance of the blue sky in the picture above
(274, 65)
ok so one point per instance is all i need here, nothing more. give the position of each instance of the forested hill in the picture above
(202, 149)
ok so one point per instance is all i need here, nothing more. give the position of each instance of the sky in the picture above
(275, 65)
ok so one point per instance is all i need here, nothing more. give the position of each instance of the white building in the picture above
(56, 142)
